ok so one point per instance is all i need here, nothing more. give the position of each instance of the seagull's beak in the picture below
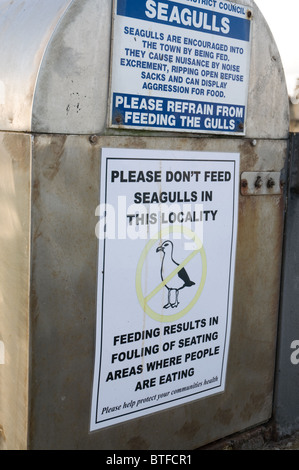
(159, 249)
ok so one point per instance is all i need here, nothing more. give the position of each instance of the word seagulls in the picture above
(186, 16)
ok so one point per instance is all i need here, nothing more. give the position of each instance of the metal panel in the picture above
(266, 95)
(81, 80)
(25, 29)
(56, 81)
(75, 69)
(286, 409)
(261, 183)
(63, 299)
(15, 191)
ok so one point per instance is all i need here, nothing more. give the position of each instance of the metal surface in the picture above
(25, 29)
(54, 83)
(266, 95)
(15, 183)
(286, 409)
(71, 94)
(63, 299)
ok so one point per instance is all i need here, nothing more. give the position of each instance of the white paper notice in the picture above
(167, 233)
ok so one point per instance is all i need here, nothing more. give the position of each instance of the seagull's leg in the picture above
(177, 297)
(176, 303)
(168, 304)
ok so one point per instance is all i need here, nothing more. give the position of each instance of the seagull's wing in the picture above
(184, 276)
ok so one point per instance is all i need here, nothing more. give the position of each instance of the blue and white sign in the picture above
(180, 65)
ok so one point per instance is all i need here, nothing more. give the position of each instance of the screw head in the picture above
(258, 183)
(270, 183)
(93, 139)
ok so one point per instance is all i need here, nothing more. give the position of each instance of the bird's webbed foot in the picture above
(167, 305)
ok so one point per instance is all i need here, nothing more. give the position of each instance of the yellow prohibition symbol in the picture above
(145, 300)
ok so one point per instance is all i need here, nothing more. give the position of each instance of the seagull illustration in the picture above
(179, 281)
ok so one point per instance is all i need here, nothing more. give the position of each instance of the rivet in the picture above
(258, 183)
(270, 183)
(93, 139)
(118, 119)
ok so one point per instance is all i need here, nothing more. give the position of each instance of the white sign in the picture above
(180, 65)
(167, 239)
